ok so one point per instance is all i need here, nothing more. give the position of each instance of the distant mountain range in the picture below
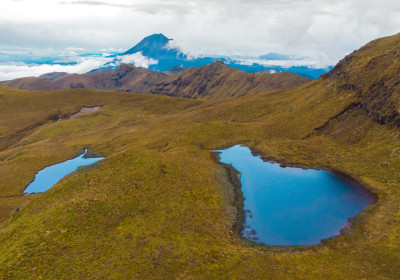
(156, 52)
(159, 48)
(174, 73)
(213, 81)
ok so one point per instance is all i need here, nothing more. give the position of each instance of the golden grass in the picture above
(159, 207)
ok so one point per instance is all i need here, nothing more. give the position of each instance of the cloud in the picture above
(167, 8)
(172, 45)
(321, 29)
(137, 59)
(152, 7)
(10, 71)
(95, 3)
(283, 63)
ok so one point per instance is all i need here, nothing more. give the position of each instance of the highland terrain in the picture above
(160, 207)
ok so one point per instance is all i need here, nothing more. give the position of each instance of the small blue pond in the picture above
(49, 176)
(293, 206)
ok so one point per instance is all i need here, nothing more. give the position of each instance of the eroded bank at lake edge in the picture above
(317, 213)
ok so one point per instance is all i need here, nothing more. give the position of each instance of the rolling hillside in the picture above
(210, 82)
(372, 73)
(160, 207)
(220, 81)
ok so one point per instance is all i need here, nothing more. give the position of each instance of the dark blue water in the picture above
(49, 176)
(293, 206)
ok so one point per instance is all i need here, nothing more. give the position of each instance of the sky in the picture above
(322, 30)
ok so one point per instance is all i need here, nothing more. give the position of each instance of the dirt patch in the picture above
(84, 111)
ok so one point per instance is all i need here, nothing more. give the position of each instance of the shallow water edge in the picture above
(233, 176)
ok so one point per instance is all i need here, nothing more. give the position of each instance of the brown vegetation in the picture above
(209, 82)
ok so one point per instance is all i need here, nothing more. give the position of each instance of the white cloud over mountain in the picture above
(137, 59)
(321, 29)
(9, 71)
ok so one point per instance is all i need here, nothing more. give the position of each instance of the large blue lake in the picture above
(49, 176)
(293, 206)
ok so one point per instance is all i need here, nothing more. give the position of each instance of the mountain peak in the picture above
(218, 64)
(159, 36)
(156, 38)
(150, 45)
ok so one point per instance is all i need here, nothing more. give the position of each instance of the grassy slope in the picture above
(217, 80)
(372, 72)
(213, 81)
(153, 210)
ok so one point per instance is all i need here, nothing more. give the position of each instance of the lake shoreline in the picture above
(235, 187)
(41, 183)
(233, 176)
(283, 163)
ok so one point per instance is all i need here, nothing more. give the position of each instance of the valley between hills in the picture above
(159, 206)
